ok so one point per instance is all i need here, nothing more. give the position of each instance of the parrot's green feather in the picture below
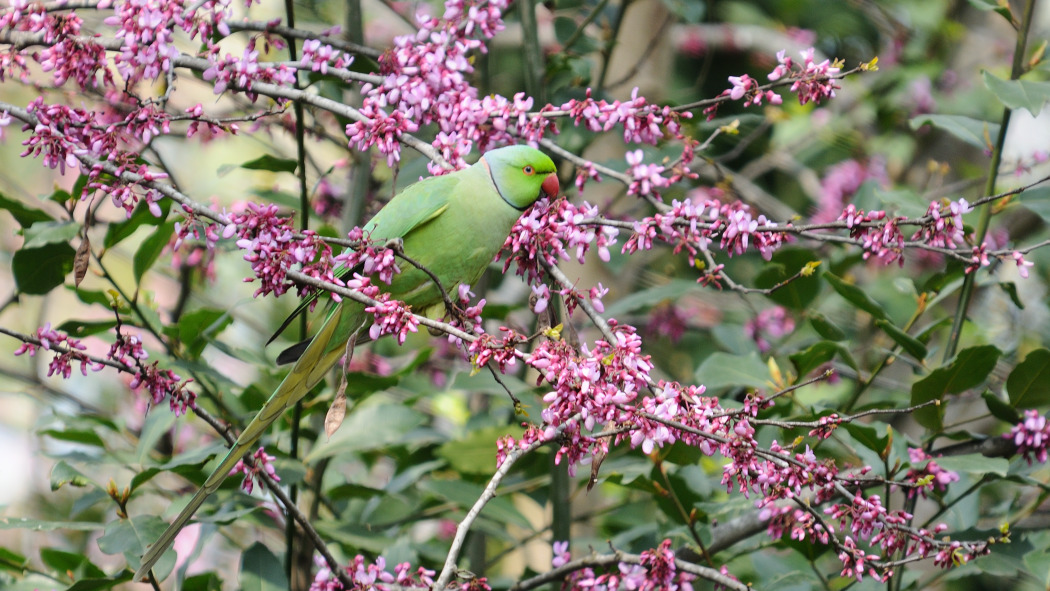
(453, 225)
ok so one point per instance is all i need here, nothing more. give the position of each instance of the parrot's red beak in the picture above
(550, 185)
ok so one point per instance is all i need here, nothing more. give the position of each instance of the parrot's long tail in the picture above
(314, 363)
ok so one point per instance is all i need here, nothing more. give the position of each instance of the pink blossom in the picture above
(261, 462)
(769, 323)
(1031, 436)
(1022, 264)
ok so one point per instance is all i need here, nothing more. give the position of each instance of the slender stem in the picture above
(863, 385)
(966, 294)
(291, 555)
(607, 51)
(534, 68)
(583, 25)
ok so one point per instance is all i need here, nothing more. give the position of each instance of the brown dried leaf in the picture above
(596, 463)
(81, 260)
(336, 414)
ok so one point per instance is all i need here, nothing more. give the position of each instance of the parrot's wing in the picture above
(410, 209)
(413, 207)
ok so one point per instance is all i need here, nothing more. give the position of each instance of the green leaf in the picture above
(687, 10)
(63, 474)
(195, 329)
(85, 436)
(81, 329)
(1037, 200)
(722, 370)
(907, 342)
(45, 525)
(993, 5)
(476, 453)
(564, 27)
(261, 570)
(271, 163)
(813, 357)
(43, 233)
(648, 297)
(39, 270)
(60, 196)
(1019, 94)
(1000, 409)
(150, 249)
(157, 424)
(1011, 290)
(465, 494)
(77, 566)
(867, 436)
(99, 584)
(143, 476)
(25, 216)
(786, 263)
(12, 561)
(140, 216)
(131, 536)
(1038, 565)
(856, 296)
(975, 132)
(89, 296)
(826, 328)
(411, 474)
(968, 370)
(1029, 382)
(369, 427)
(353, 491)
(359, 383)
(202, 582)
(975, 464)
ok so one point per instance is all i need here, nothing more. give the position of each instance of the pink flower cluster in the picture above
(657, 571)
(378, 261)
(66, 54)
(200, 256)
(425, 81)
(811, 81)
(602, 388)
(59, 135)
(318, 56)
(770, 323)
(260, 462)
(927, 477)
(841, 181)
(883, 240)
(240, 73)
(61, 361)
(693, 223)
(147, 31)
(642, 122)
(160, 383)
(126, 350)
(549, 231)
(369, 576)
(1031, 436)
(391, 317)
(503, 350)
(273, 249)
(945, 228)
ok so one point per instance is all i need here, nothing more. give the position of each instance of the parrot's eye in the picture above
(528, 170)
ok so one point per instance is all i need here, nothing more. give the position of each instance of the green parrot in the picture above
(453, 225)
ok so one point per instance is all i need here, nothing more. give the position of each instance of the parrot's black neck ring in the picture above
(496, 186)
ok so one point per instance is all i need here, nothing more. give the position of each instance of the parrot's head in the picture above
(521, 174)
